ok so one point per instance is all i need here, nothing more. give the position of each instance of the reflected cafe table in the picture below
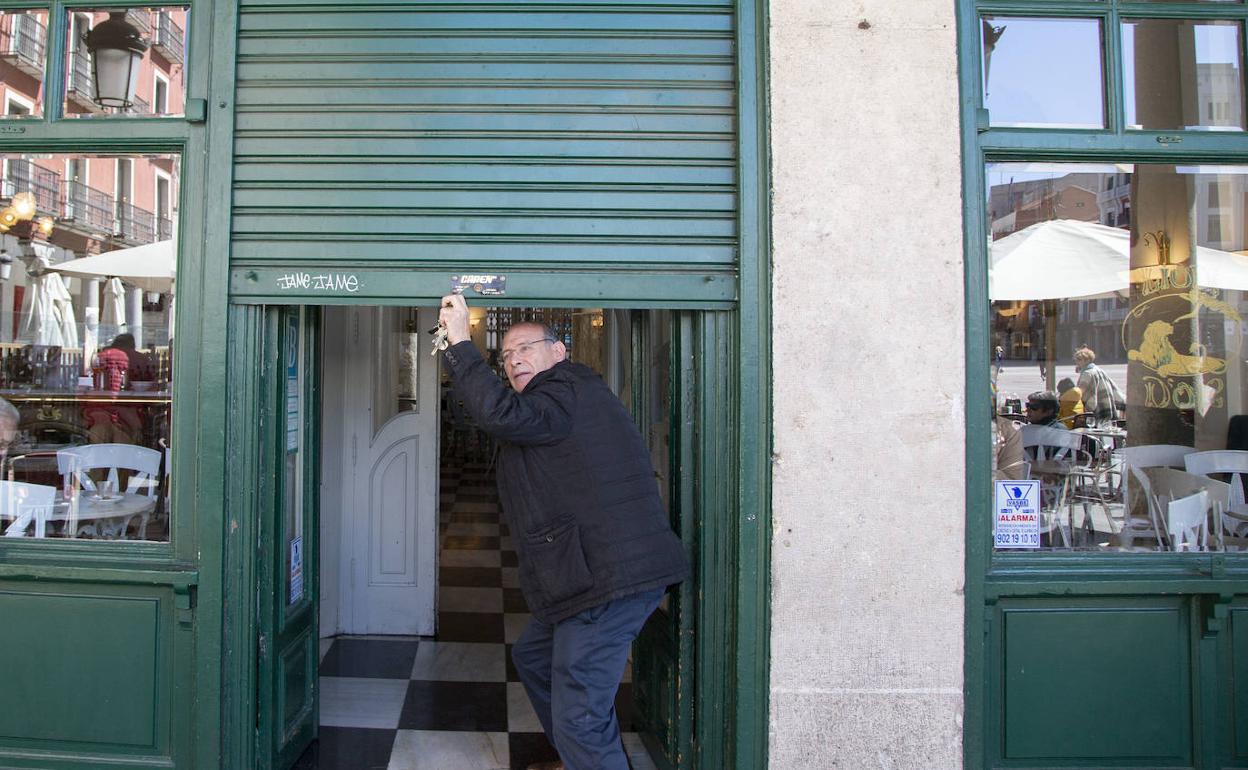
(85, 395)
(105, 515)
(62, 410)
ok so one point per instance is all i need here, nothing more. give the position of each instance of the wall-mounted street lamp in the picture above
(19, 217)
(116, 50)
(22, 209)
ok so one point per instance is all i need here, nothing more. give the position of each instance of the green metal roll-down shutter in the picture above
(521, 135)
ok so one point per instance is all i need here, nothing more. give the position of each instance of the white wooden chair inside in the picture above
(1169, 485)
(1136, 459)
(24, 503)
(1054, 455)
(1187, 522)
(1234, 463)
(143, 465)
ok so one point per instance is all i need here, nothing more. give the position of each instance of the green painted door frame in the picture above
(709, 472)
(733, 448)
(1025, 606)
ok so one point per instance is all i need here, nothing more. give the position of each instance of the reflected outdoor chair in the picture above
(1232, 463)
(23, 504)
(142, 466)
(1149, 521)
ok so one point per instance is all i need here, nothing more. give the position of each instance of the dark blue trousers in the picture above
(571, 671)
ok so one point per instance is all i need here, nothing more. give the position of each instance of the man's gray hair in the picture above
(546, 332)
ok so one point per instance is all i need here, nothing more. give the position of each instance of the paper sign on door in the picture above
(1016, 514)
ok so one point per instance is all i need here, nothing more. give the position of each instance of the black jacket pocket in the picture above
(559, 561)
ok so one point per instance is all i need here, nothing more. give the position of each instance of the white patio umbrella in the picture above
(1059, 259)
(150, 267)
(64, 302)
(48, 313)
(1069, 259)
(113, 313)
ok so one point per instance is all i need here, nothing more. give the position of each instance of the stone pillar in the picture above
(134, 314)
(869, 417)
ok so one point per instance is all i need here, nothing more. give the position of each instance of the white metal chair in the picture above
(141, 463)
(24, 503)
(1054, 454)
(1233, 463)
(1187, 522)
(1136, 459)
(1169, 485)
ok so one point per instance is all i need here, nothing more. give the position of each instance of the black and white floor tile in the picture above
(452, 702)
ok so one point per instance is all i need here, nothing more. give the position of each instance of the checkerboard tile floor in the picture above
(453, 702)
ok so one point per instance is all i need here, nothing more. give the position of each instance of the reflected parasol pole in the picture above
(1049, 308)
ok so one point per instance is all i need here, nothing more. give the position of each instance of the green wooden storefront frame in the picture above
(1077, 577)
(731, 696)
(207, 566)
(189, 566)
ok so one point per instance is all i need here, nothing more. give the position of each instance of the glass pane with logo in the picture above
(126, 62)
(1042, 72)
(23, 49)
(1182, 74)
(87, 261)
(1118, 297)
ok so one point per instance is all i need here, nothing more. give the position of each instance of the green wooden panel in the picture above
(349, 18)
(82, 669)
(296, 680)
(413, 45)
(1096, 683)
(689, 289)
(485, 250)
(1237, 677)
(328, 173)
(553, 133)
(551, 98)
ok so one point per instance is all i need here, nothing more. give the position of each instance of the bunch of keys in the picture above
(441, 340)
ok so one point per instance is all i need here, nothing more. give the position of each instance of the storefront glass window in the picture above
(1119, 294)
(1182, 74)
(1043, 72)
(87, 257)
(153, 87)
(23, 44)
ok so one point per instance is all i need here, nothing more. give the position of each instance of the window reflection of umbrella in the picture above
(149, 267)
(1059, 259)
(1070, 259)
(48, 313)
(113, 313)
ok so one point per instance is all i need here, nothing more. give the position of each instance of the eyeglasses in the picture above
(523, 349)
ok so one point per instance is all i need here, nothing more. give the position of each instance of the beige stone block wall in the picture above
(867, 566)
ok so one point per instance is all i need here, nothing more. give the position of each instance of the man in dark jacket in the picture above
(595, 546)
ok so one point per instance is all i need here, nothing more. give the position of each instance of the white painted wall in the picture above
(867, 653)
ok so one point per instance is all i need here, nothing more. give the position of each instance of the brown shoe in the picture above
(546, 766)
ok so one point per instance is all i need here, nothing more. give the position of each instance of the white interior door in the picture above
(390, 474)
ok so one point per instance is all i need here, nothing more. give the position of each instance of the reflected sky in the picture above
(1048, 72)
(1045, 72)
